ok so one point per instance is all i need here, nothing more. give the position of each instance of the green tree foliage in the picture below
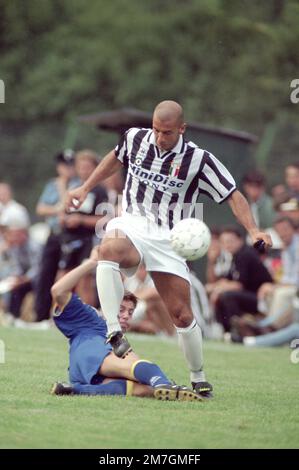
(230, 63)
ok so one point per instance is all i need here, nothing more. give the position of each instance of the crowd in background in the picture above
(248, 297)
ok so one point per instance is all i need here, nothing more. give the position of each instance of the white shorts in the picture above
(152, 243)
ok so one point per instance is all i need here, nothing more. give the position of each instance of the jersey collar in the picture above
(178, 148)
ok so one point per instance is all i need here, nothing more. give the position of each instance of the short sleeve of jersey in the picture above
(214, 179)
(123, 146)
(78, 317)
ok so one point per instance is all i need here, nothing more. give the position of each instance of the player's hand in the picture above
(75, 198)
(261, 241)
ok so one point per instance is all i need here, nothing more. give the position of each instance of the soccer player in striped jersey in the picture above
(165, 176)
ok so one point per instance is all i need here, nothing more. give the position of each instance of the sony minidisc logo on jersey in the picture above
(154, 179)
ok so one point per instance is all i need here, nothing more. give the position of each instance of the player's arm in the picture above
(107, 167)
(242, 211)
(62, 289)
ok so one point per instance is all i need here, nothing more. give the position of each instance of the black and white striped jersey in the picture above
(164, 186)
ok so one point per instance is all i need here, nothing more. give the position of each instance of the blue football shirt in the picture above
(86, 332)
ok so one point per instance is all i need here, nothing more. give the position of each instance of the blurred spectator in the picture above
(218, 260)
(114, 186)
(288, 193)
(49, 206)
(279, 337)
(276, 338)
(276, 300)
(237, 292)
(8, 205)
(78, 227)
(19, 261)
(292, 180)
(278, 192)
(260, 203)
(289, 208)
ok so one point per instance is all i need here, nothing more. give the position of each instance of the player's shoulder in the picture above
(133, 131)
(197, 150)
(75, 305)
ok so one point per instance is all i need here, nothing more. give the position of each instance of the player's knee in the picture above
(182, 317)
(111, 252)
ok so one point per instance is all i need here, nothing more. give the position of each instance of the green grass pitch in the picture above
(255, 405)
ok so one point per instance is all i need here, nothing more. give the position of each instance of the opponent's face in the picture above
(125, 314)
(167, 133)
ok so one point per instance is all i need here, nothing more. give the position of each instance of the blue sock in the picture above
(149, 374)
(115, 387)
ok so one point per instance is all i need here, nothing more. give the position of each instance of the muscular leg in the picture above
(132, 368)
(144, 379)
(159, 316)
(116, 250)
(175, 292)
(107, 387)
(113, 366)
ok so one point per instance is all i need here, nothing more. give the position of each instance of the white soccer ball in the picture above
(190, 238)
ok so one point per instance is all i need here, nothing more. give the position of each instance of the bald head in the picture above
(168, 124)
(169, 111)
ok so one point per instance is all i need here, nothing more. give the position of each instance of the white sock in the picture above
(111, 291)
(190, 340)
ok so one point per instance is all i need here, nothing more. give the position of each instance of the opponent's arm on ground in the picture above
(107, 167)
(62, 289)
(242, 211)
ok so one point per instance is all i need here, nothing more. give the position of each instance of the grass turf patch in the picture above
(255, 403)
